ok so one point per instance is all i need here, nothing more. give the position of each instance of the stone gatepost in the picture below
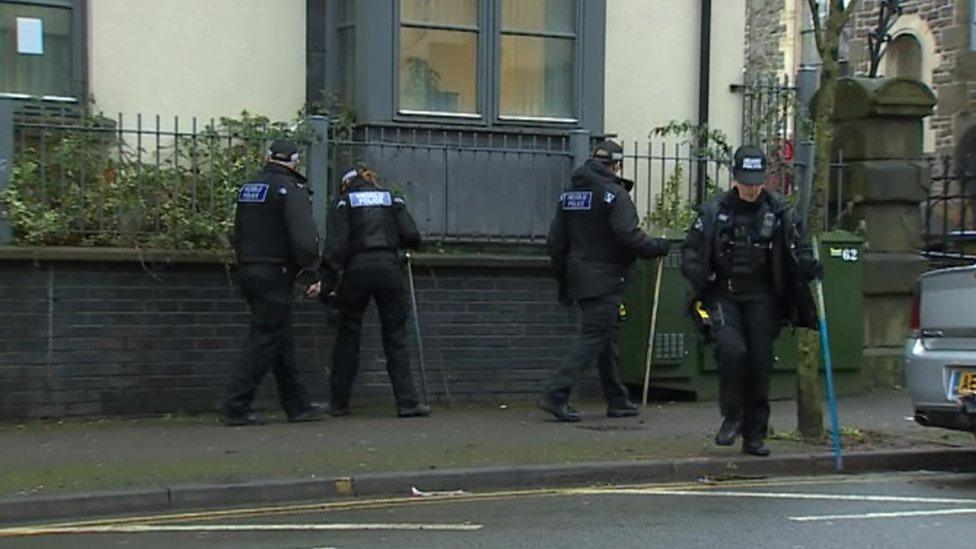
(878, 132)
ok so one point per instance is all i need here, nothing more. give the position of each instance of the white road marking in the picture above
(773, 495)
(897, 514)
(166, 528)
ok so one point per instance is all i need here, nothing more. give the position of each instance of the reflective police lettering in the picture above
(253, 193)
(370, 198)
(753, 163)
(577, 200)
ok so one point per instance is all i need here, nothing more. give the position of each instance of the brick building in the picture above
(932, 41)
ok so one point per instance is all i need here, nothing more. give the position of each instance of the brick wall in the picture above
(764, 34)
(953, 80)
(91, 338)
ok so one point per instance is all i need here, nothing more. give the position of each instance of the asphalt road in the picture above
(896, 510)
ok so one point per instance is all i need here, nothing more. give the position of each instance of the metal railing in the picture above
(92, 180)
(464, 186)
(949, 213)
(665, 176)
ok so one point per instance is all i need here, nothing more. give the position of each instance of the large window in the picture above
(38, 45)
(538, 52)
(439, 56)
(489, 59)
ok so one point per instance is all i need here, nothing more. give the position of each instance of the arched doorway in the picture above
(904, 57)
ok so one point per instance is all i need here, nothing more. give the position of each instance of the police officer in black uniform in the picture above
(363, 259)
(593, 242)
(748, 270)
(275, 239)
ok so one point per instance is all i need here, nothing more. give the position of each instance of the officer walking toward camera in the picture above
(750, 276)
(274, 239)
(363, 259)
(593, 242)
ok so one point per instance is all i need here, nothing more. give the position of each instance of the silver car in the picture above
(940, 356)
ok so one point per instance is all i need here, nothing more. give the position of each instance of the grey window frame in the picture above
(377, 39)
(79, 49)
(498, 33)
(481, 100)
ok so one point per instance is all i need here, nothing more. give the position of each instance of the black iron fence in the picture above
(154, 182)
(464, 185)
(171, 183)
(949, 213)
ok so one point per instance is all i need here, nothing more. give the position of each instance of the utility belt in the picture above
(743, 285)
(376, 255)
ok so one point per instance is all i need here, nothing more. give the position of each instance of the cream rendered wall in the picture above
(203, 58)
(652, 60)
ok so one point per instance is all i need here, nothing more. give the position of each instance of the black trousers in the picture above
(382, 281)
(745, 328)
(597, 343)
(270, 345)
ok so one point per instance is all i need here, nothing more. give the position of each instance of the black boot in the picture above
(755, 448)
(561, 411)
(316, 411)
(623, 409)
(420, 410)
(731, 428)
(336, 409)
(245, 420)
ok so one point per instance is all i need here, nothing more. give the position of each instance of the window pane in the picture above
(442, 12)
(537, 77)
(347, 53)
(437, 70)
(539, 15)
(46, 74)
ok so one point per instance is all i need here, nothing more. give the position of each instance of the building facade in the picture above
(932, 41)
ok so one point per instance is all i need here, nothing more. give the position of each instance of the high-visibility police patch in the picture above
(723, 217)
(577, 200)
(609, 197)
(699, 224)
(367, 199)
(253, 193)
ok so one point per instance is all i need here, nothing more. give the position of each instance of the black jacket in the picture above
(790, 285)
(365, 218)
(595, 237)
(273, 222)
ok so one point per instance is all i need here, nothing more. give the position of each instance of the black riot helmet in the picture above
(608, 152)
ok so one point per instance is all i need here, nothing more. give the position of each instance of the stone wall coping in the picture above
(135, 255)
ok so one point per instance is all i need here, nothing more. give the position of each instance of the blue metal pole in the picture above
(828, 365)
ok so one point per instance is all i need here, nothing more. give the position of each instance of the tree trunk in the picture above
(809, 414)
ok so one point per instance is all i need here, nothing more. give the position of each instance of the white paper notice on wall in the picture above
(30, 36)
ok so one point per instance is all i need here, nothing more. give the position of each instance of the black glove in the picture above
(663, 246)
(810, 268)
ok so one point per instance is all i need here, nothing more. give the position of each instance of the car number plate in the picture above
(964, 383)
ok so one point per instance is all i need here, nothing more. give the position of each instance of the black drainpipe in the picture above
(704, 73)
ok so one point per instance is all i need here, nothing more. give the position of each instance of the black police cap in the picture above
(749, 165)
(608, 151)
(284, 150)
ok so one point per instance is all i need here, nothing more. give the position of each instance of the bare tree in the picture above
(828, 29)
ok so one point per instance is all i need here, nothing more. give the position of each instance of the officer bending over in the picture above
(274, 238)
(363, 257)
(742, 258)
(593, 242)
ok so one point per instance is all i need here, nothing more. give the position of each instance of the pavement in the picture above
(79, 467)
(871, 511)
